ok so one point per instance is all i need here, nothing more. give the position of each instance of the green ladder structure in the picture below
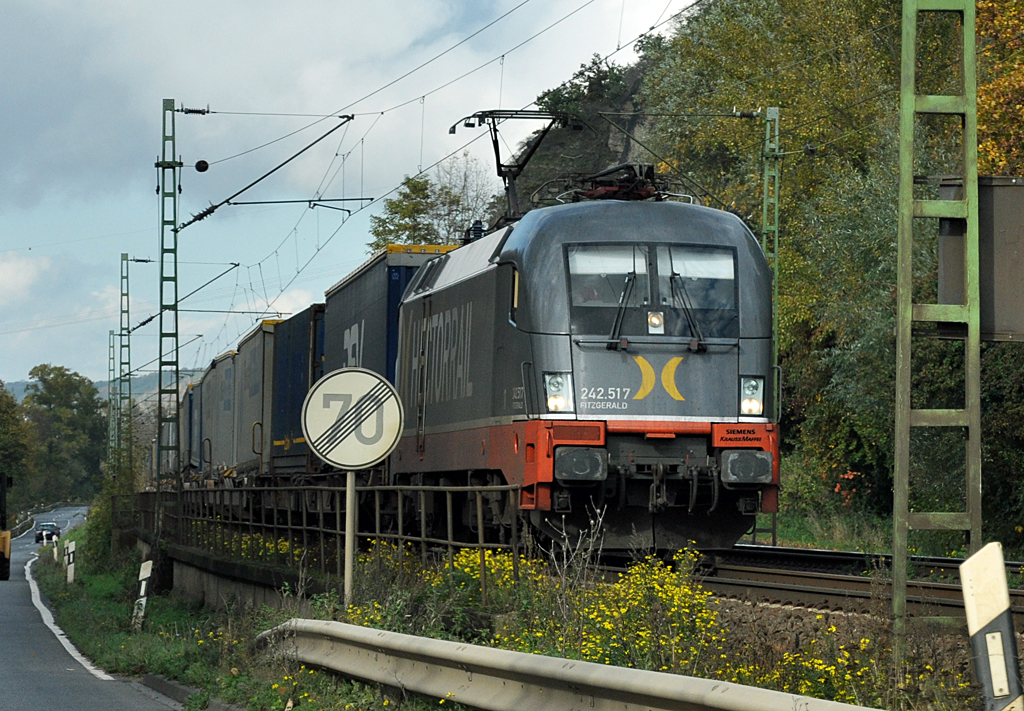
(167, 393)
(113, 401)
(124, 409)
(772, 158)
(964, 316)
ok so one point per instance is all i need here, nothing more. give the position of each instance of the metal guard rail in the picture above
(500, 680)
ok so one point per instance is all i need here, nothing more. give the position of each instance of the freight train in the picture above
(609, 356)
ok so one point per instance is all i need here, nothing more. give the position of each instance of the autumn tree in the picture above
(833, 69)
(435, 210)
(1000, 30)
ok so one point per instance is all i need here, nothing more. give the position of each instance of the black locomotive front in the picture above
(609, 357)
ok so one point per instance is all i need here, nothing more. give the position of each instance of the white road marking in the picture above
(57, 632)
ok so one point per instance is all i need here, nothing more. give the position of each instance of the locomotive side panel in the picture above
(447, 376)
(196, 430)
(185, 418)
(462, 364)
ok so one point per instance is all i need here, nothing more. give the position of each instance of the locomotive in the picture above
(612, 358)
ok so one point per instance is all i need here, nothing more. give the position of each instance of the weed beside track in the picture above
(654, 616)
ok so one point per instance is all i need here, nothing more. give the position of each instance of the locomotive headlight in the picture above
(558, 389)
(655, 322)
(752, 394)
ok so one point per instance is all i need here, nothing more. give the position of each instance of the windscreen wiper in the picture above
(627, 290)
(679, 291)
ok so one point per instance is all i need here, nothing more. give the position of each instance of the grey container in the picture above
(254, 362)
(195, 437)
(218, 408)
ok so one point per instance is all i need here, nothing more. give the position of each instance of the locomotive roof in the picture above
(535, 246)
(618, 221)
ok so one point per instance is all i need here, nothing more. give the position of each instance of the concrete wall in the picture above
(214, 582)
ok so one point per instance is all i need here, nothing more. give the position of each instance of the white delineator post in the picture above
(990, 626)
(71, 562)
(139, 612)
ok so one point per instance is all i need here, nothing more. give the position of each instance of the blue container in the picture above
(298, 363)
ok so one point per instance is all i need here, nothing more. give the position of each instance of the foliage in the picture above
(53, 441)
(215, 651)
(833, 69)
(593, 83)
(15, 444)
(64, 410)
(653, 616)
(1000, 30)
(434, 211)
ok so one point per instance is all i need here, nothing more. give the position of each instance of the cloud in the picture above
(18, 276)
(82, 124)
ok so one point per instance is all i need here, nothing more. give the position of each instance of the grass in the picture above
(655, 616)
(845, 531)
(212, 651)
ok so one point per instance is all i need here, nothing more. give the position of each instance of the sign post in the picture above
(352, 419)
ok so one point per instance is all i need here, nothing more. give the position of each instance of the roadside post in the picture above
(352, 419)
(142, 593)
(990, 626)
(71, 562)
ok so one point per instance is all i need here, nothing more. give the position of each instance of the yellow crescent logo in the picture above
(648, 378)
(668, 378)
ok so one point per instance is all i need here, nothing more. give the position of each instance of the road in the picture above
(36, 671)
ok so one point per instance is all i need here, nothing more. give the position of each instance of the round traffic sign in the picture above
(352, 418)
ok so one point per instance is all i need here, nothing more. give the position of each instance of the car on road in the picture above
(50, 529)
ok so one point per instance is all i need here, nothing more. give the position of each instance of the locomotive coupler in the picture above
(715, 485)
(694, 473)
(659, 490)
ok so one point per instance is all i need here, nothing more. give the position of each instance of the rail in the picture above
(501, 680)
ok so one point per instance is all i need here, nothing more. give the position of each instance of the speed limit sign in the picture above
(352, 418)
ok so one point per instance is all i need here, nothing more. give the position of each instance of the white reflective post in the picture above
(990, 626)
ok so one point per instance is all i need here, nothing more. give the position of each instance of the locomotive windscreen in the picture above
(673, 290)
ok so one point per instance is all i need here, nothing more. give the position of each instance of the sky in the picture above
(80, 131)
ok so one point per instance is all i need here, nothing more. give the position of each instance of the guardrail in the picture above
(500, 680)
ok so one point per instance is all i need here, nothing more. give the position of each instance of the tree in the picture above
(65, 414)
(833, 68)
(15, 444)
(592, 84)
(434, 211)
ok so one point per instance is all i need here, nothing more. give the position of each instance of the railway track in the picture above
(839, 581)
